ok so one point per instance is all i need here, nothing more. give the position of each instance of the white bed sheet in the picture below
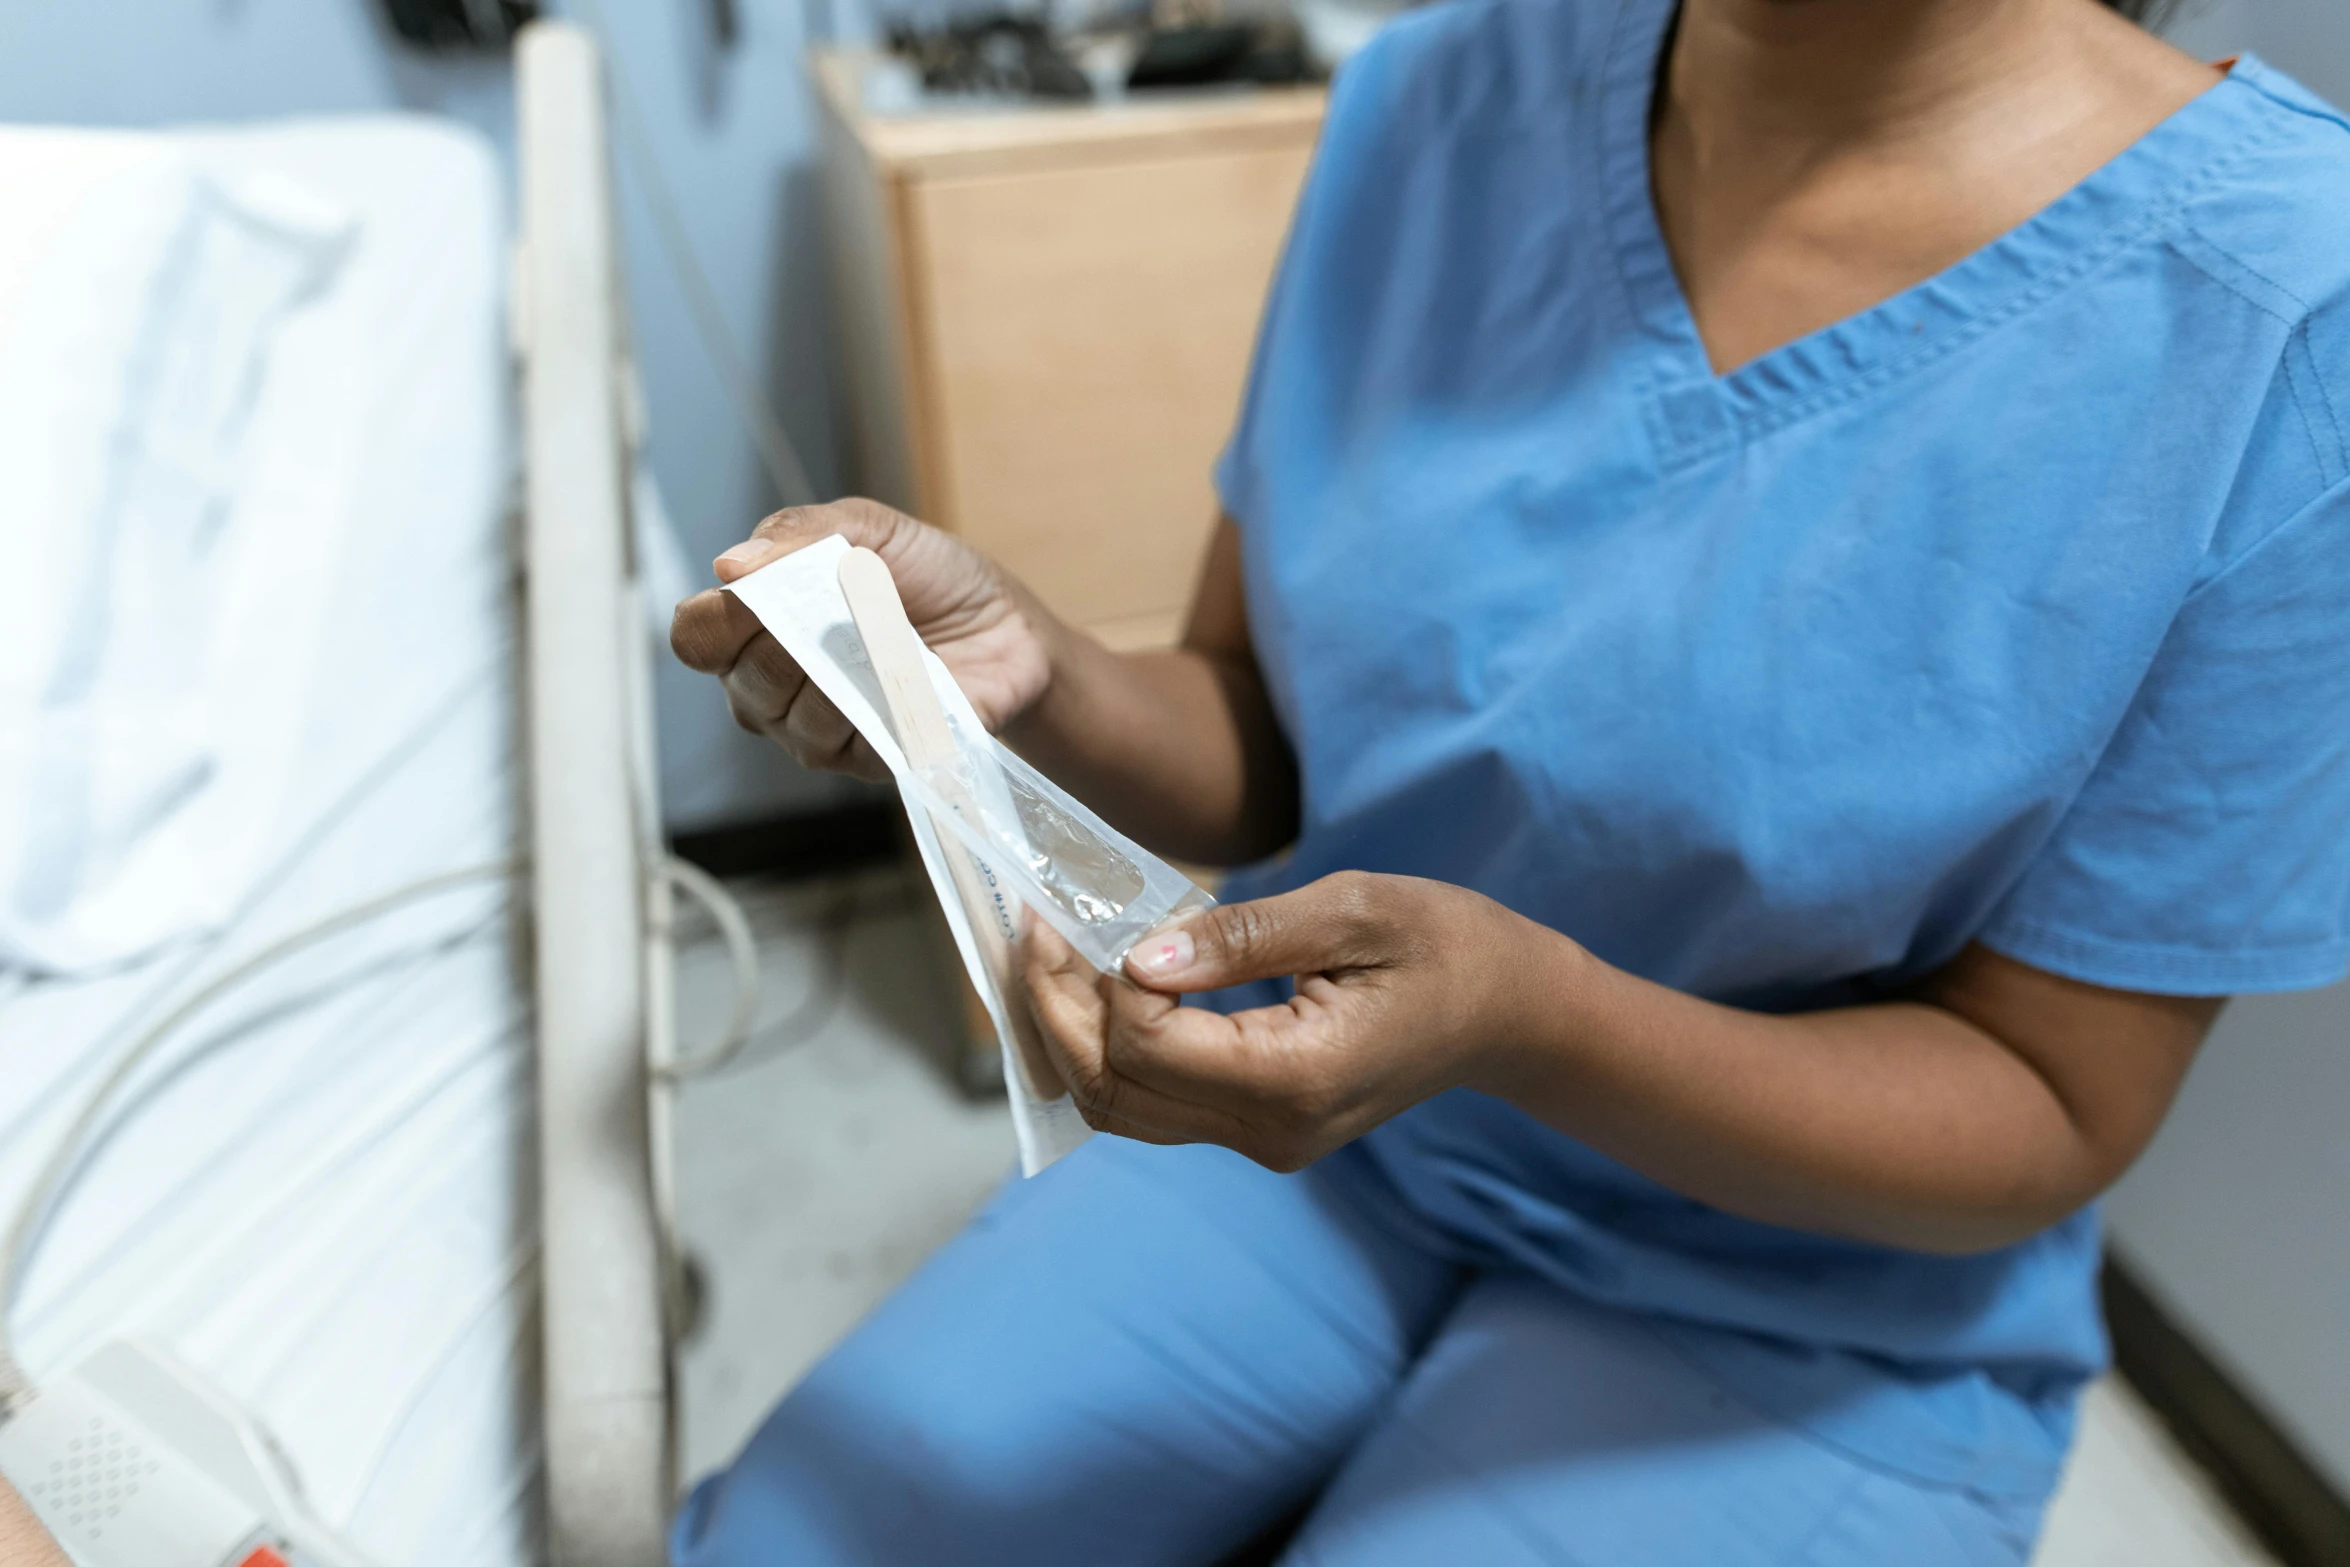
(322, 1195)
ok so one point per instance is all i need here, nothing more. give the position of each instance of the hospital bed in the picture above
(397, 1193)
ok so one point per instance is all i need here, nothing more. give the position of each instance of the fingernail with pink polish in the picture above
(1164, 953)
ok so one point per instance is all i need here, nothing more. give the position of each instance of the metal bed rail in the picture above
(594, 848)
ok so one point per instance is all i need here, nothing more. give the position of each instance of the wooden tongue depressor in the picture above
(920, 724)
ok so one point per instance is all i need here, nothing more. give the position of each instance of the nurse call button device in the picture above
(130, 1460)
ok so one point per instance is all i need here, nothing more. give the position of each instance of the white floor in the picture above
(820, 1169)
(2132, 1499)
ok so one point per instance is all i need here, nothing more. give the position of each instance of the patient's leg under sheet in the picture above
(1146, 1355)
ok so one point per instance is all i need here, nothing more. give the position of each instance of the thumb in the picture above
(1316, 928)
(864, 522)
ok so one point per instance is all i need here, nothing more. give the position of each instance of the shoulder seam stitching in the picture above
(2323, 116)
(2318, 422)
(2190, 226)
(2229, 567)
(2326, 400)
(2317, 446)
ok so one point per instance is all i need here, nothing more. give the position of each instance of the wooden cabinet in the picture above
(1048, 313)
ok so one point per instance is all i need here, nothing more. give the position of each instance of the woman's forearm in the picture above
(1165, 747)
(1903, 1123)
(1177, 748)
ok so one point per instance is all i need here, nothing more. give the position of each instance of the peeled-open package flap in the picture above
(1036, 845)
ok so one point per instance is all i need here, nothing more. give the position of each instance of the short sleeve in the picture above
(2209, 851)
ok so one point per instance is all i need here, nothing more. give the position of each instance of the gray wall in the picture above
(2308, 38)
(2239, 1217)
(732, 130)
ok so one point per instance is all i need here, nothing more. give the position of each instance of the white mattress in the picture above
(321, 1196)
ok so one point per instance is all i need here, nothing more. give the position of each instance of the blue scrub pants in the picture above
(1150, 1355)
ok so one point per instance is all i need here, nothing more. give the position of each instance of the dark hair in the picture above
(2146, 13)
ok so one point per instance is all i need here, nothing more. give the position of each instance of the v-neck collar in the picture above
(1695, 414)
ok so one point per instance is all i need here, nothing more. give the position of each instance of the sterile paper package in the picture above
(1034, 844)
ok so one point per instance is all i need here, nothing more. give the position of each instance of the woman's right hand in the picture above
(990, 634)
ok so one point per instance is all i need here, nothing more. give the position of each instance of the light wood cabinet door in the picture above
(1087, 333)
(1050, 315)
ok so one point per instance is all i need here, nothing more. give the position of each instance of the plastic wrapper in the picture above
(1098, 888)
(1036, 843)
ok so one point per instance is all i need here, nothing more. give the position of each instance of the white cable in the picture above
(777, 454)
(303, 1185)
(742, 951)
(24, 1229)
(410, 1207)
(436, 1365)
(273, 877)
(315, 1542)
(513, 1498)
(355, 1138)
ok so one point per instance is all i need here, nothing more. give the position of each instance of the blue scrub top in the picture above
(2014, 610)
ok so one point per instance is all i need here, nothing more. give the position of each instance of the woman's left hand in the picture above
(1405, 988)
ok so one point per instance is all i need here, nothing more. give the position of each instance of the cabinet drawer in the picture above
(1079, 338)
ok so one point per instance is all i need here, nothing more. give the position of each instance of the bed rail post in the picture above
(608, 1458)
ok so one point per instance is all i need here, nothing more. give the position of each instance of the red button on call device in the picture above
(262, 1556)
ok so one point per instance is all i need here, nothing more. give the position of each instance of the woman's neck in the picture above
(1762, 75)
(1812, 157)
(1837, 71)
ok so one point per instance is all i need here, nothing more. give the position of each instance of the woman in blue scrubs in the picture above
(1781, 639)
